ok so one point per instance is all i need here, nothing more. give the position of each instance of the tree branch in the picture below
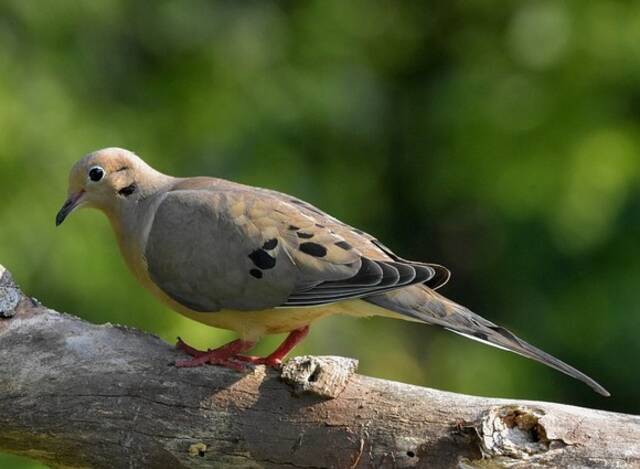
(74, 394)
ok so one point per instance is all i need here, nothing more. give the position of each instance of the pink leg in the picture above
(275, 358)
(223, 356)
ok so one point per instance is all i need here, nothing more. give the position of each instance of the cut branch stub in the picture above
(9, 294)
(515, 431)
(323, 376)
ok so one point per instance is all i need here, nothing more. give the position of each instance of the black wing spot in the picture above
(313, 249)
(357, 231)
(303, 235)
(262, 259)
(256, 273)
(294, 227)
(344, 245)
(319, 225)
(481, 335)
(270, 244)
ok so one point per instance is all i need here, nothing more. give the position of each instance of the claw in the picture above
(212, 359)
(269, 361)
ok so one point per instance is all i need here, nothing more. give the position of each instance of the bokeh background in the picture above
(498, 138)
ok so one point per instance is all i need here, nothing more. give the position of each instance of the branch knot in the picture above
(516, 432)
(324, 376)
(9, 294)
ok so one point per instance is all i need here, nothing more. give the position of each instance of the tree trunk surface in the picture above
(75, 394)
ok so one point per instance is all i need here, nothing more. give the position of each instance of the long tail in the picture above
(424, 304)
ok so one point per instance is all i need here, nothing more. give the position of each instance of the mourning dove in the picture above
(259, 262)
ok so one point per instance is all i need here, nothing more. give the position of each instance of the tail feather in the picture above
(424, 304)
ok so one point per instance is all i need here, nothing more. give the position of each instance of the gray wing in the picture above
(249, 249)
(202, 251)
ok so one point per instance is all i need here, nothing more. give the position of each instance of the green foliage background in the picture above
(498, 138)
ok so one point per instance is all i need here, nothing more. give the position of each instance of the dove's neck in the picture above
(131, 219)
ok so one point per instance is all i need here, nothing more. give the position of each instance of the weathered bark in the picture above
(79, 395)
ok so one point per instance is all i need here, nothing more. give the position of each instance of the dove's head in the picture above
(109, 180)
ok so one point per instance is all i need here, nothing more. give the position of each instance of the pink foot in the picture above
(229, 355)
(223, 356)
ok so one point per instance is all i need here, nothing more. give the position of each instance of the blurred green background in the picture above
(500, 139)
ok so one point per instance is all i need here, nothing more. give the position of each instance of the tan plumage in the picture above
(259, 262)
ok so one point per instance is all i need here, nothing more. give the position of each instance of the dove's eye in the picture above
(96, 173)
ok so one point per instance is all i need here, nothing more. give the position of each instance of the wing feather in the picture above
(374, 277)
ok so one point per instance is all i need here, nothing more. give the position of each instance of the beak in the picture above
(69, 206)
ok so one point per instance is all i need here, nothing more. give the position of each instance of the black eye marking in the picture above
(270, 244)
(344, 245)
(313, 249)
(127, 191)
(256, 273)
(262, 259)
(304, 235)
(96, 173)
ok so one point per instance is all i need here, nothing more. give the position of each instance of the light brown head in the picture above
(109, 180)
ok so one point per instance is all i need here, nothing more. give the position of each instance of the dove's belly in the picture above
(251, 325)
